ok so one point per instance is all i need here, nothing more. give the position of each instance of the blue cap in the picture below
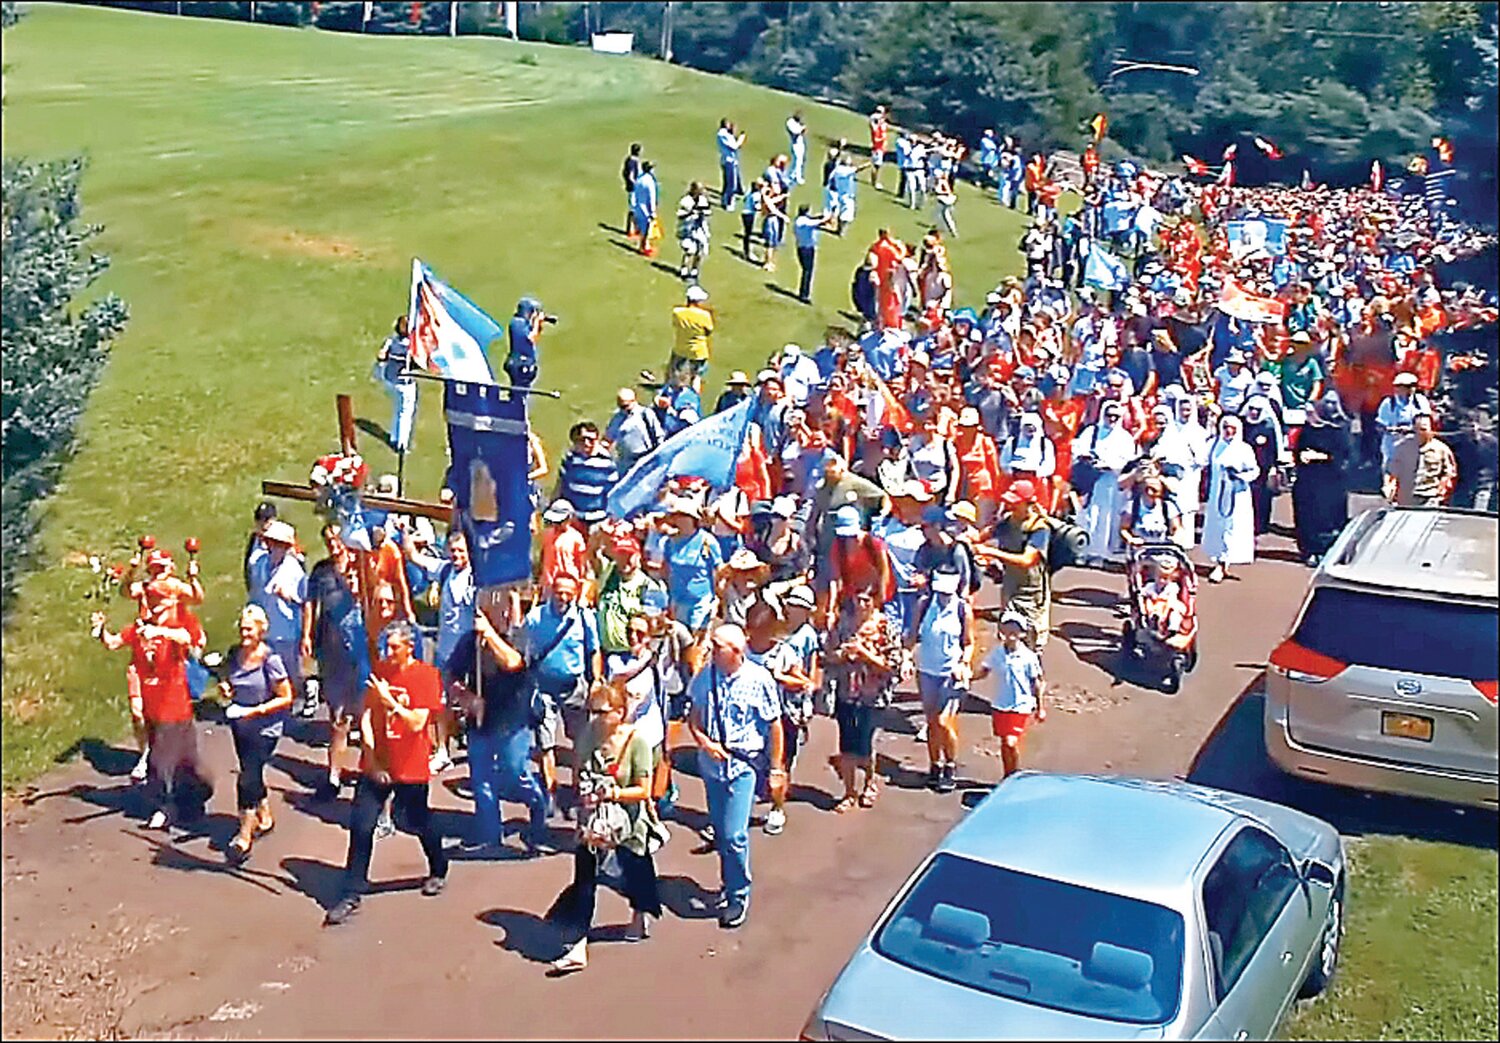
(935, 514)
(846, 521)
(966, 315)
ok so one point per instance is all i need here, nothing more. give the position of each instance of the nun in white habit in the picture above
(1188, 442)
(1229, 513)
(1029, 454)
(1111, 448)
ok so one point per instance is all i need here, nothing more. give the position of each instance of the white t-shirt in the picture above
(1011, 684)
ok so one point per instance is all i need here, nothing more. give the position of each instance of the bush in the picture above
(53, 349)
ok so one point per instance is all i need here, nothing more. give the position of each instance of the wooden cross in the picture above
(364, 565)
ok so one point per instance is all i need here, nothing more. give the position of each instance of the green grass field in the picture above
(264, 191)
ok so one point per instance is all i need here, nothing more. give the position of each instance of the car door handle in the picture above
(1286, 957)
(1241, 1034)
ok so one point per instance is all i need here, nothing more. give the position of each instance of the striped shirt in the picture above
(585, 481)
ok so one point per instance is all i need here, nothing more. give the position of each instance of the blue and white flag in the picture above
(448, 332)
(884, 351)
(487, 439)
(709, 449)
(1104, 271)
(1146, 220)
(354, 518)
(1256, 237)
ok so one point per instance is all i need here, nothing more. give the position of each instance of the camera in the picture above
(550, 320)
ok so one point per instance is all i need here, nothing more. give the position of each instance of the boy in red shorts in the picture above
(1018, 689)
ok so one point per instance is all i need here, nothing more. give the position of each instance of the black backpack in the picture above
(1066, 544)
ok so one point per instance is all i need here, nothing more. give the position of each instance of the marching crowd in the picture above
(886, 472)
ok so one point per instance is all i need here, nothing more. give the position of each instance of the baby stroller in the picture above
(1161, 635)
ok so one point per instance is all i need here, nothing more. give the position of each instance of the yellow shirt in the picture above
(692, 326)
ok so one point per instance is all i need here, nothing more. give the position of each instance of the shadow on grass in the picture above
(1234, 758)
(374, 430)
(784, 292)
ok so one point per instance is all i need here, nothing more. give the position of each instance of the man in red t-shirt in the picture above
(880, 128)
(160, 641)
(402, 696)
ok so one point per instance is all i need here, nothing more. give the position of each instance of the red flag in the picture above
(1236, 301)
(1226, 176)
(1099, 123)
(1268, 148)
(1431, 319)
(891, 412)
(1090, 160)
(1377, 176)
(1444, 150)
(1230, 153)
(1195, 165)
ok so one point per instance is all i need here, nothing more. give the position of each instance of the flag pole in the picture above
(511, 388)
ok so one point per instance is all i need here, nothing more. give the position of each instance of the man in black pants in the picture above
(400, 700)
(805, 229)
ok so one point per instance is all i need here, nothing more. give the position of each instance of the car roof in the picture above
(1134, 837)
(1434, 551)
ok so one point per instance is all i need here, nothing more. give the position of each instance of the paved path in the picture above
(112, 930)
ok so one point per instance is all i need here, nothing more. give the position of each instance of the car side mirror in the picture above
(1317, 873)
(971, 799)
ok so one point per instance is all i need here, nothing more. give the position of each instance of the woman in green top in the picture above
(615, 767)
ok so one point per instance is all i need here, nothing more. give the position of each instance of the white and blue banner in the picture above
(448, 332)
(487, 439)
(1256, 237)
(709, 449)
(1104, 271)
(1117, 216)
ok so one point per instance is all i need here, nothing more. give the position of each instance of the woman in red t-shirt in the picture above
(160, 641)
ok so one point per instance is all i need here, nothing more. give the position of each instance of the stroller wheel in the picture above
(1173, 681)
(1192, 657)
(1127, 640)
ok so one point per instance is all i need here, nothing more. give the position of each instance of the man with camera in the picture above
(524, 332)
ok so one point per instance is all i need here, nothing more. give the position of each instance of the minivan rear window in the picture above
(1411, 635)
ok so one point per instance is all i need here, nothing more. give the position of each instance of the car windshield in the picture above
(1039, 941)
(1411, 635)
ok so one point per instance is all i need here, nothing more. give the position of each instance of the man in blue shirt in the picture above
(805, 230)
(729, 161)
(633, 431)
(586, 473)
(525, 329)
(561, 644)
(678, 406)
(736, 722)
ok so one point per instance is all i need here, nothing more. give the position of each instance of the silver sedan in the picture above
(1091, 907)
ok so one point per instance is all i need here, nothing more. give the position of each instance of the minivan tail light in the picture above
(1303, 664)
(1489, 689)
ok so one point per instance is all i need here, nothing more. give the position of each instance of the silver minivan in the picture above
(1387, 679)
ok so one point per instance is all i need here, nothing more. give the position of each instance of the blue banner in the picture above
(487, 439)
(708, 449)
(1256, 237)
(1117, 216)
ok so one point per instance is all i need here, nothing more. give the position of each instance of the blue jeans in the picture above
(729, 805)
(500, 767)
(731, 172)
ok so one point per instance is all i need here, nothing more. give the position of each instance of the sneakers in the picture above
(312, 690)
(733, 914)
(707, 833)
(947, 783)
(921, 735)
(341, 912)
(575, 959)
(433, 886)
(639, 929)
(384, 827)
(775, 822)
(142, 766)
(934, 777)
(439, 762)
(158, 820)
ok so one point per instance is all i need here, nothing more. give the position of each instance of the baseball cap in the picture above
(965, 511)
(744, 559)
(800, 595)
(784, 506)
(935, 514)
(968, 417)
(697, 293)
(1015, 619)
(791, 351)
(737, 379)
(1301, 337)
(625, 546)
(1020, 491)
(846, 521)
(767, 374)
(913, 489)
(158, 559)
(279, 531)
(559, 510)
(681, 505)
(1404, 378)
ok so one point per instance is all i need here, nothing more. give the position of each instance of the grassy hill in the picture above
(264, 190)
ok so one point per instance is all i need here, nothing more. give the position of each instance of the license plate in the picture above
(1406, 726)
